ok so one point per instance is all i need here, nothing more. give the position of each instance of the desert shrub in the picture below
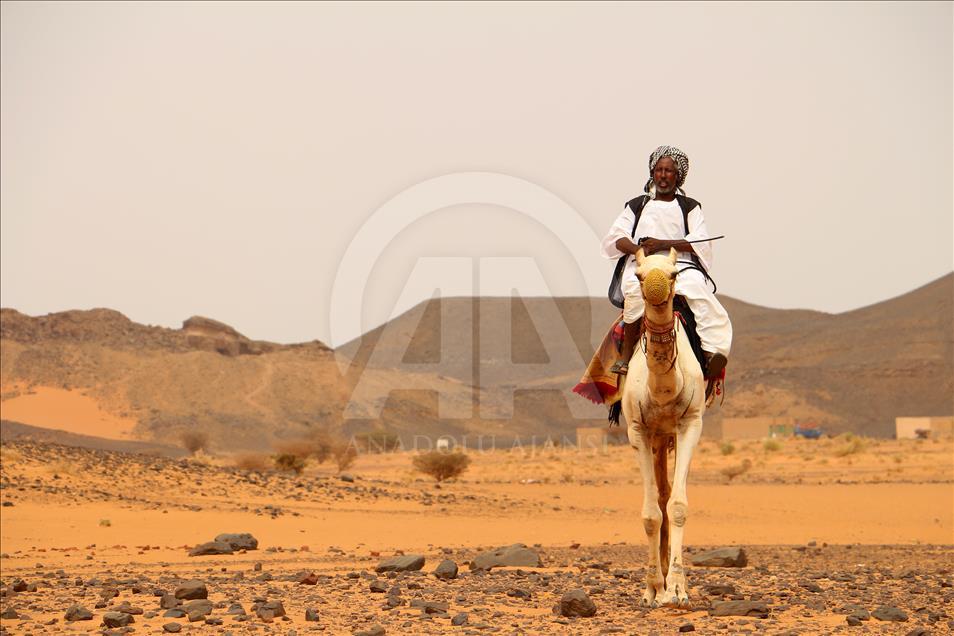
(726, 448)
(194, 441)
(252, 461)
(441, 465)
(566, 478)
(302, 448)
(345, 456)
(288, 462)
(772, 445)
(323, 446)
(105, 523)
(378, 441)
(853, 446)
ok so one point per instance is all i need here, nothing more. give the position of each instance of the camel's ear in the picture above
(673, 254)
(640, 255)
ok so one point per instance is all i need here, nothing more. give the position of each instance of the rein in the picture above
(662, 334)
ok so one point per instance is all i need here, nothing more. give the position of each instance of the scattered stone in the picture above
(852, 620)
(516, 555)
(272, 609)
(168, 601)
(9, 613)
(889, 613)
(374, 630)
(212, 547)
(307, 578)
(406, 563)
(446, 570)
(688, 627)
(311, 615)
(117, 619)
(201, 607)
(757, 609)
(577, 603)
(378, 586)
(721, 558)
(172, 628)
(235, 609)
(242, 541)
(192, 590)
(459, 619)
(78, 613)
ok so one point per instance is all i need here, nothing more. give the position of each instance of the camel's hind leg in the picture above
(652, 517)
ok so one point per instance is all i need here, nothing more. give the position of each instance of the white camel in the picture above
(663, 401)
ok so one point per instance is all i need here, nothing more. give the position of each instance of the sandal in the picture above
(621, 367)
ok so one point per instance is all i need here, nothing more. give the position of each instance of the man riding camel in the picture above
(666, 218)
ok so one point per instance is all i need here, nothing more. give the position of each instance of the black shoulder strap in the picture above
(637, 205)
(687, 205)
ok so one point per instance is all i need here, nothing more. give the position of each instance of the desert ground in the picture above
(833, 529)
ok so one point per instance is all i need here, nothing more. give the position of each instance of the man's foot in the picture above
(621, 367)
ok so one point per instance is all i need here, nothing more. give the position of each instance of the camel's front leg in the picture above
(651, 514)
(677, 592)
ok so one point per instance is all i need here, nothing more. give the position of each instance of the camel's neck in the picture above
(661, 353)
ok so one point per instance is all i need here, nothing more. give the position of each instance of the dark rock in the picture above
(235, 609)
(307, 578)
(919, 631)
(172, 628)
(212, 547)
(117, 619)
(18, 585)
(515, 555)
(168, 601)
(446, 570)
(758, 609)
(311, 615)
(889, 613)
(430, 607)
(721, 558)
(459, 619)
(688, 627)
(852, 620)
(378, 586)
(191, 590)
(519, 592)
(407, 563)
(202, 607)
(374, 630)
(273, 608)
(175, 612)
(78, 613)
(577, 603)
(720, 589)
(9, 613)
(243, 541)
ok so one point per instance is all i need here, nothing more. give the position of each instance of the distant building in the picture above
(934, 427)
(757, 427)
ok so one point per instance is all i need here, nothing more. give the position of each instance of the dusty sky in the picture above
(172, 159)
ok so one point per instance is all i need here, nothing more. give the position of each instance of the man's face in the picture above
(665, 176)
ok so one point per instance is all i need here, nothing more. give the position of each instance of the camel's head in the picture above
(657, 275)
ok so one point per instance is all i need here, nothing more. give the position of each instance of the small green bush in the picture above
(726, 448)
(772, 445)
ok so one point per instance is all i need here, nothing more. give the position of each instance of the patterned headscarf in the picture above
(678, 157)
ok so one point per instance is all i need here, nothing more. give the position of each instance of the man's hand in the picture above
(652, 245)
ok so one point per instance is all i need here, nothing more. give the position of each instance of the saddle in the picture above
(688, 320)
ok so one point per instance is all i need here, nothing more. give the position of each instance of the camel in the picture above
(663, 399)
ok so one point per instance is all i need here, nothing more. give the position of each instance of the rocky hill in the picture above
(852, 371)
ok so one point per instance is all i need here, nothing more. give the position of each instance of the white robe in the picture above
(663, 220)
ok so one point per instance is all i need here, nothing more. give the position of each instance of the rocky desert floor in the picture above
(843, 535)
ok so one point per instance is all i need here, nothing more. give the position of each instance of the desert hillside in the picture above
(96, 372)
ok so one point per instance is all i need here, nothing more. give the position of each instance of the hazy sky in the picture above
(172, 159)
